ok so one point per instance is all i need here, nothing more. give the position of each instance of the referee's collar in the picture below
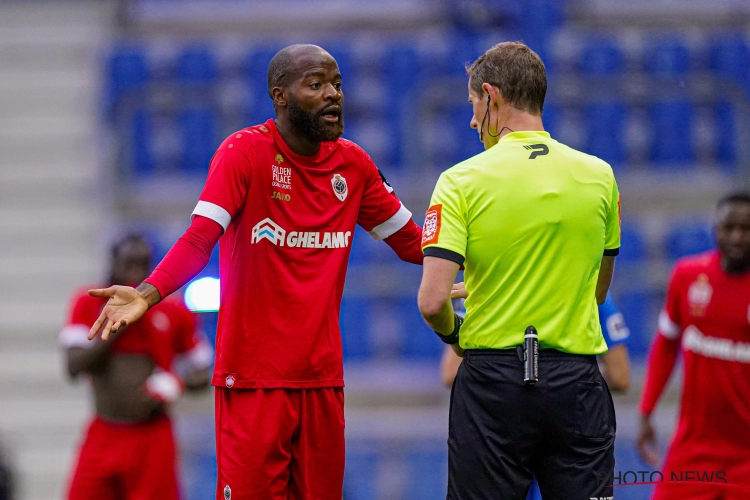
(526, 135)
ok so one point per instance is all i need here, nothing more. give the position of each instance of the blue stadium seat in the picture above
(428, 474)
(730, 57)
(632, 244)
(672, 123)
(636, 308)
(667, 56)
(360, 474)
(726, 138)
(127, 72)
(141, 128)
(605, 125)
(355, 322)
(196, 65)
(256, 72)
(199, 131)
(689, 238)
(467, 138)
(601, 57)
(419, 342)
(540, 16)
(463, 50)
(551, 118)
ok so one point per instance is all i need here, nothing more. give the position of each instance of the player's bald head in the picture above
(289, 63)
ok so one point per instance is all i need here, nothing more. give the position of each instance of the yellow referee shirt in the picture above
(530, 219)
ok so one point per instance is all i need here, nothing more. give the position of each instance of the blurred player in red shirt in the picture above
(283, 199)
(129, 451)
(707, 318)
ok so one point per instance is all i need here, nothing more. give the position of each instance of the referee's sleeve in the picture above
(445, 233)
(613, 230)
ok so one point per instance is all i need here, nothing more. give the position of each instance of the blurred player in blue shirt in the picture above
(614, 364)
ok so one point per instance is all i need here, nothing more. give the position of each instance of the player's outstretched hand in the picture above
(125, 306)
(459, 291)
(646, 442)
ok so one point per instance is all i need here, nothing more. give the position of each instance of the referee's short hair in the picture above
(516, 70)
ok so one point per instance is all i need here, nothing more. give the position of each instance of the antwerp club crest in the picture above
(699, 295)
(340, 188)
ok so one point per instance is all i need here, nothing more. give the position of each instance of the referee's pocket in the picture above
(592, 412)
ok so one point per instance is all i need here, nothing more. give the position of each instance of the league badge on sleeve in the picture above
(340, 188)
(431, 229)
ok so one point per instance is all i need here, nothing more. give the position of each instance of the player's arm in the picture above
(616, 368)
(385, 218)
(84, 356)
(615, 363)
(194, 353)
(449, 364)
(222, 197)
(661, 362)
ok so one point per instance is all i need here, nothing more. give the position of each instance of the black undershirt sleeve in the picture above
(442, 253)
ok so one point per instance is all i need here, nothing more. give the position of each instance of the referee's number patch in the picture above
(431, 229)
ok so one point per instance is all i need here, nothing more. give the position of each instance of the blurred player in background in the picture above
(129, 450)
(284, 197)
(614, 364)
(706, 317)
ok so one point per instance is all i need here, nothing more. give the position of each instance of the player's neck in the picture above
(296, 141)
(733, 266)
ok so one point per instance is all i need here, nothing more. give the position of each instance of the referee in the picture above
(536, 225)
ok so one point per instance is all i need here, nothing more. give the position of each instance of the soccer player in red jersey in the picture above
(283, 199)
(129, 451)
(707, 318)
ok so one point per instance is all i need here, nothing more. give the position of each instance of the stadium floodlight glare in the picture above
(202, 295)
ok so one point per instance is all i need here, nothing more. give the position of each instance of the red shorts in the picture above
(126, 461)
(704, 472)
(274, 444)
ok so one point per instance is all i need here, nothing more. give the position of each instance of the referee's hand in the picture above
(459, 291)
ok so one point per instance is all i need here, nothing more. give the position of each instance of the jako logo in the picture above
(269, 230)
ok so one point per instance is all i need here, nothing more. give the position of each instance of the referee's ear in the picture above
(493, 93)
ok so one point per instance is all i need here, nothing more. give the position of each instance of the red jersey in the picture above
(288, 222)
(166, 331)
(708, 312)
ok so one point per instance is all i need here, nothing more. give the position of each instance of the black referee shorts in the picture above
(502, 432)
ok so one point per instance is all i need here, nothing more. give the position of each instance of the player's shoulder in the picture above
(243, 139)
(173, 305)
(693, 265)
(81, 298)
(351, 148)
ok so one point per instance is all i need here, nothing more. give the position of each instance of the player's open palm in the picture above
(124, 307)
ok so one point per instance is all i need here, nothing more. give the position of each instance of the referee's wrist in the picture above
(453, 337)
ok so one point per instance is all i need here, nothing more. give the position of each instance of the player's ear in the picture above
(279, 97)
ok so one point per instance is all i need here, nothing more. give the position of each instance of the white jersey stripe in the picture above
(213, 212)
(667, 327)
(75, 336)
(387, 228)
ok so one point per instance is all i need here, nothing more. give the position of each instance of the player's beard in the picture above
(312, 125)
